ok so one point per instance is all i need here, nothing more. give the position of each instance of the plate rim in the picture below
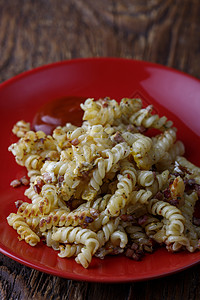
(87, 59)
(41, 68)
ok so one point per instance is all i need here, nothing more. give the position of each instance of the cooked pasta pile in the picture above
(109, 186)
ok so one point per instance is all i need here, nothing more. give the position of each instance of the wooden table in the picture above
(34, 33)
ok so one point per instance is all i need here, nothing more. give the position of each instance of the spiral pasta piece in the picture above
(193, 172)
(139, 237)
(129, 106)
(101, 203)
(102, 111)
(35, 143)
(21, 128)
(159, 183)
(33, 195)
(175, 237)
(69, 250)
(141, 196)
(63, 217)
(151, 225)
(100, 137)
(140, 151)
(104, 165)
(119, 237)
(19, 224)
(169, 157)
(79, 236)
(49, 241)
(143, 117)
(103, 235)
(171, 213)
(126, 184)
(189, 204)
(162, 144)
(109, 186)
(145, 178)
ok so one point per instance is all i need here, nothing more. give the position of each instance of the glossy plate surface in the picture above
(173, 94)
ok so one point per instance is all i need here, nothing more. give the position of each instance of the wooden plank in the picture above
(34, 33)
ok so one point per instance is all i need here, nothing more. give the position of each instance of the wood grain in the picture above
(20, 282)
(34, 33)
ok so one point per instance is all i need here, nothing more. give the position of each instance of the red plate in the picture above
(173, 94)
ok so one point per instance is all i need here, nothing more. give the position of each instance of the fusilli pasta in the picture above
(107, 186)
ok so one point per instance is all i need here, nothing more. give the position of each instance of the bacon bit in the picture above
(85, 174)
(197, 189)
(134, 246)
(141, 129)
(190, 182)
(142, 220)
(88, 219)
(16, 183)
(134, 254)
(104, 101)
(128, 218)
(118, 138)
(74, 203)
(21, 209)
(24, 180)
(42, 222)
(131, 128)
(158, 196)
(36, 188)
(62, 218)
(167, 193)
(80, 217)
(60, 180)
(42, 140)
(75, 142)
(94, 212)
(153, 168)
(18, 203)
(47, 177)
(116, 251)
(174, 202)
(40, 182)
(196, 221)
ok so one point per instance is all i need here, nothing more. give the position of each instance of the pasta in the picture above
(107, 186)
